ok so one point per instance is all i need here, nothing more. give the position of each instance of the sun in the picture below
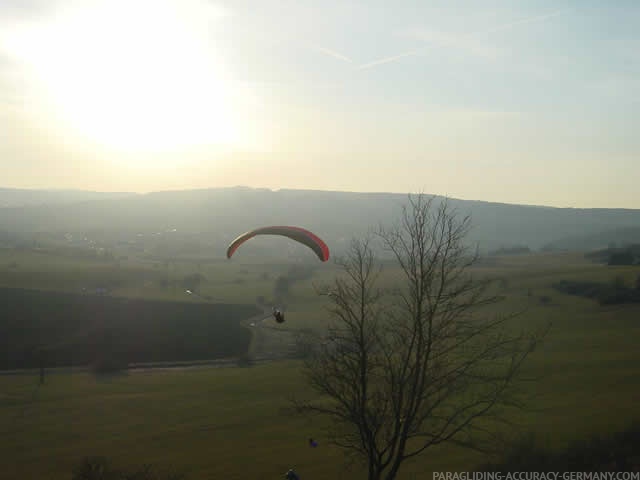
(134, 75)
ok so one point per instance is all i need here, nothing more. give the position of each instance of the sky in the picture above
(533, 102)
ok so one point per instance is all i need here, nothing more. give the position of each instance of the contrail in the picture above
(382, 61)
(332, 53)
(525, 20)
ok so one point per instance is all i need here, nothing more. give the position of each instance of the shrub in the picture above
(105, 365)
(99, 468)
(545, 300)
(95, 468)
(582, 289)
(621, 258)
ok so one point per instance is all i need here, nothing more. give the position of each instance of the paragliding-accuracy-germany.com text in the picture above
(536, 476)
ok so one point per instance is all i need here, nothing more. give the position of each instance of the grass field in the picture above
(233, 423)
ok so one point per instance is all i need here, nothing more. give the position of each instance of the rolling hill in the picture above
(212, 217)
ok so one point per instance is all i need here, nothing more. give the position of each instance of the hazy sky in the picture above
(516, 101)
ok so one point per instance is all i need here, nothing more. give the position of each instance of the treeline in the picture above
(516, 250)
(605, 294)
(60, 329)
(629, 255)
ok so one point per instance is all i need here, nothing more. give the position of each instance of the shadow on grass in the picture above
(619, 452)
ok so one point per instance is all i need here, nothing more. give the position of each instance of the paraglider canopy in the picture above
(298, 234)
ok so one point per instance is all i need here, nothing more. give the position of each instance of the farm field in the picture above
(61, 329)
(235, 423)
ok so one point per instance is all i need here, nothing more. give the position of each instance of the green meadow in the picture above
(235, 423)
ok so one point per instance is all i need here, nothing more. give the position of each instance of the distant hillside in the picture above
(17, 197)
(212, 217)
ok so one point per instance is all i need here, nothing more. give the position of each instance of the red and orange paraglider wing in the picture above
(298, 234)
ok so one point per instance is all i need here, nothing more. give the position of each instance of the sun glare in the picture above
(134, 75)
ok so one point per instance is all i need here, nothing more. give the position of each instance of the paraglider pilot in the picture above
(291, 475)
(278, 315)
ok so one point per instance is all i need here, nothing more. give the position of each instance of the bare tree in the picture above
(407, 368)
